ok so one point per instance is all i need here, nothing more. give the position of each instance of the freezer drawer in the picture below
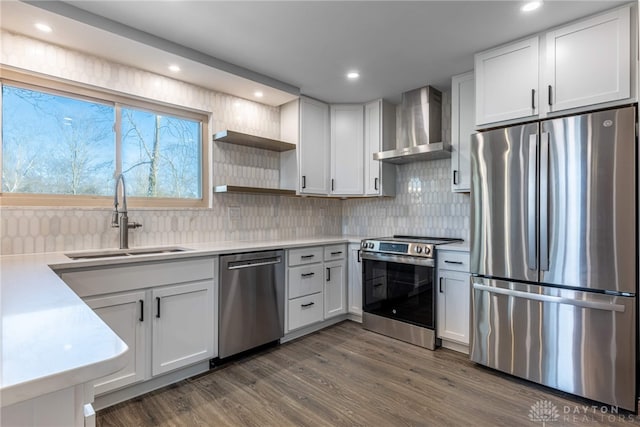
(579, 342)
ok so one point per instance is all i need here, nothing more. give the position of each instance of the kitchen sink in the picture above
(111, 253)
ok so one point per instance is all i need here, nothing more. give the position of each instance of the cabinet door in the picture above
(372, 138)
(183, 325)
(589, 62)
(347, 149)
(453, 306)
(462, 126)
(355, 280)
(507, 82)
(126, 314)
(313, 147)
(335, 295)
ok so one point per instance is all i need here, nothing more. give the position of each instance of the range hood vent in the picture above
(420, 132)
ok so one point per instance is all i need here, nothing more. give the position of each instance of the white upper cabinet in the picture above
(507, 82)
(462, 126)
(582, 64)
(347, 149)
(313, 147)
(588, 62)
(379, 135)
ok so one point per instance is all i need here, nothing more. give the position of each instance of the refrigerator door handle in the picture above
(531, 203)
(550, 298)
(544, 201)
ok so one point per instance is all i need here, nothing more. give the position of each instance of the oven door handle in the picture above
(398, 259)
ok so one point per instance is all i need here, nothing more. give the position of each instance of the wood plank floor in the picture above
(346, 376)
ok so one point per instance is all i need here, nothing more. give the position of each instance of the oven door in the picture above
(399, 287)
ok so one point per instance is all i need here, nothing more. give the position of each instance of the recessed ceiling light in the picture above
(530, 6)
(43, 27)
(352, 75)
(174, 68)
(258, 94)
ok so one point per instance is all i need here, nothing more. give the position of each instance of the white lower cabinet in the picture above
(167, 317)
(453, 299)
(182, 325)
(305, 310)
(316, 285)
(125, 314)
(69, 407)
(335, 297)
(355, 280)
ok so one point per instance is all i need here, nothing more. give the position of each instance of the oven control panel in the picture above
(402, 248)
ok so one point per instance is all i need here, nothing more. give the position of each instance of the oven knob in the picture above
(419, 249)
(370, 245)
(427, 250)
(364, 245)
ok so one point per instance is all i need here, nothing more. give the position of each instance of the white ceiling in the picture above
(290, 45)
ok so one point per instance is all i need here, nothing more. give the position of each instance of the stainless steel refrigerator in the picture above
(554, 251)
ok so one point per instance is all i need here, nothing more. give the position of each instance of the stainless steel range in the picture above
(398, 287)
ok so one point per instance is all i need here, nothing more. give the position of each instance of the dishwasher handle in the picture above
(237, 265)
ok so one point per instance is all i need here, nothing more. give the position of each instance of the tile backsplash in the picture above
(424, 203)
(424, 206)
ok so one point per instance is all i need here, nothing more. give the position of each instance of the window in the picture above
(58, 145)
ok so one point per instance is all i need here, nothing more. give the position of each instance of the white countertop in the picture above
(460, 247)
(52, 340)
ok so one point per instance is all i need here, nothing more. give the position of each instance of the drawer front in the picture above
(305, 311)
(305, 280)
(305, 255)
(453, 260)
(127, 277)
(335, 252)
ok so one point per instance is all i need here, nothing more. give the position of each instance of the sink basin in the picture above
(111, 253)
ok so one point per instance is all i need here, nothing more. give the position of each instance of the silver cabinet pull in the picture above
(550, 95)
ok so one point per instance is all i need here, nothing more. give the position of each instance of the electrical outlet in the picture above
(234, 213)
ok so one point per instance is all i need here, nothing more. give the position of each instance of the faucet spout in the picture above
(120, 218)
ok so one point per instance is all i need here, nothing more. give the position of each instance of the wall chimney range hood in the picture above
(420, 130)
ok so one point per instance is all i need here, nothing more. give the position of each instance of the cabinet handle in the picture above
(309, 304)
(452, 262)
(307, 274)
(141, 310)
(336, 253)
(533, 99)
(158, 305)
(328, 274)
(332, 184)
(306, 256)
(550, 94)
(375, 184)
(440, 285)
(359, 254)
(304, 181)
(455, 177)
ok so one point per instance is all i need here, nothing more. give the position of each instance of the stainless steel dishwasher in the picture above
(251, 309)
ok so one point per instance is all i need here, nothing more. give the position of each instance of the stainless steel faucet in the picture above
(122, 221)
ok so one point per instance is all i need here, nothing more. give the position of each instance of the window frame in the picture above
(61, 87)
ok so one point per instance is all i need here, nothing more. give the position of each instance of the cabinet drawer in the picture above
(127, 277)
(453, 260)
(305, 255)
(305, 311)
(305, 280)
(335, 252)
